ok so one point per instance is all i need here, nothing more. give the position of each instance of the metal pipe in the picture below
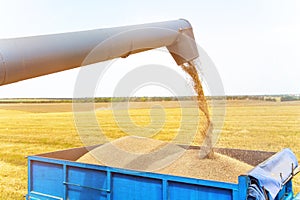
(29, 57)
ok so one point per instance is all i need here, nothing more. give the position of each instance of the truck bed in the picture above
(56, 175)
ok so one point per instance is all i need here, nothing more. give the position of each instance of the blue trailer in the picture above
(56, 175)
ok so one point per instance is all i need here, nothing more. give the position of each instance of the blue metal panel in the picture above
(41, 196)
(135, 187)
(243, 186)
(86, 181)
(286, 192)
(108, 174)
(29, 173)
(55, 179)
(65, 180)
(165, 189)
(178, 191)
(47, 178)
(86, 184)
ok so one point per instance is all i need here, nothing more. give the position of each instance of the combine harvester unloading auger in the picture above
(56, 176)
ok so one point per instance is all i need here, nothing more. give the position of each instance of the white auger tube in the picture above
(29, 57)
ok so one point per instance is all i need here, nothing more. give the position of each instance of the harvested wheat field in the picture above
(29, 129)
(146, 154)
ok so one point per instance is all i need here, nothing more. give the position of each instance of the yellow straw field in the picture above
(28, 129)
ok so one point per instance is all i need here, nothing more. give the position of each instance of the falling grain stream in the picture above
(207, 149)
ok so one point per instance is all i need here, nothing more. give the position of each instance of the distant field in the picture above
(28, 129)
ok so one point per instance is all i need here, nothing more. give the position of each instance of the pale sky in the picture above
(255, 44)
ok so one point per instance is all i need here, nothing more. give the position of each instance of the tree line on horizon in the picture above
(274, 98)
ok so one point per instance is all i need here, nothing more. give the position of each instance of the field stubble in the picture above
(27, 129)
